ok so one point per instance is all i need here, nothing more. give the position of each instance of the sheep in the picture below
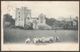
(28, 40)
(52, 39)
(48, 39)
(35, 40)
(44, 40)
(57, 38)
(38, 40)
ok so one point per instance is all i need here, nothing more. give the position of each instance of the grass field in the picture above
(19, 36)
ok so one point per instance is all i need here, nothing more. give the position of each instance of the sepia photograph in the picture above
(40, 25)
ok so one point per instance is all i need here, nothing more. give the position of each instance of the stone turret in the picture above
(42, 19)
(22, 16)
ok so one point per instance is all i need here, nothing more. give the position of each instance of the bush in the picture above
(28, 27)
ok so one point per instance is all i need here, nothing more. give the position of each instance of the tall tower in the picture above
(42, 19)
(22, 16)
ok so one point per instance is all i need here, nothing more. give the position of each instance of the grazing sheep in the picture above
(35, 40)
(39, 40)
(45, 40)
(57, 38)
(48, 39)
(42, 39)
(51, 39)
(28, 40)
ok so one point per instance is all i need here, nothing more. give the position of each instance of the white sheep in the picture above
(52, 39)
(48, 39)
(35, 40)
(28, 40)
(45, 39)
(57, 38)
(42, 39)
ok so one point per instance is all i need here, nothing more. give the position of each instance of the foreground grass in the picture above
(19, 35)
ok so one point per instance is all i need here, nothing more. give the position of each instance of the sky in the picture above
(52, 9)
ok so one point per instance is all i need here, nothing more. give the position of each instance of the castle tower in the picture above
(42, 19)
(22, 16)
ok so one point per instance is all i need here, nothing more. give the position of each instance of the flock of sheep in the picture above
(42, 40)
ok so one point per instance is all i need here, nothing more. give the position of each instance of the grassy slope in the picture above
(16, 35)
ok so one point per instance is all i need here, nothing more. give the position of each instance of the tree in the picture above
(76, 21)
(50, 21)
(8, 20)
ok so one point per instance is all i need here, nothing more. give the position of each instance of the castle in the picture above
(24, 19)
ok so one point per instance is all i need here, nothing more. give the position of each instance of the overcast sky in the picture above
(55, 9)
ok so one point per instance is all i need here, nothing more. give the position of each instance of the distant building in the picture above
(24, 19)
